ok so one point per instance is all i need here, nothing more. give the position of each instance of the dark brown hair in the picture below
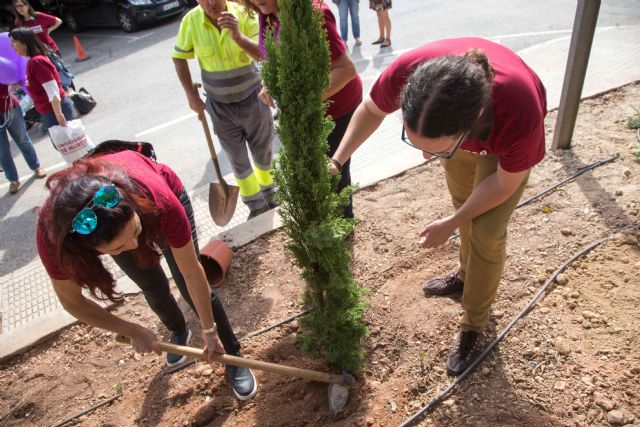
(71, 190)
(445, 95)
(30, 40)
(19, 17)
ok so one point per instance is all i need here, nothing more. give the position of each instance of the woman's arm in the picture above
(57, 109)
(343, 70)
(75, 303)
(55, 26)
(198, 287)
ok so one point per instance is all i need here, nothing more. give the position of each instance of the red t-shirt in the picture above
(518, 100)
(40, 25)
(348, 98)
(40, 70)
(7, 100)
(157, 180)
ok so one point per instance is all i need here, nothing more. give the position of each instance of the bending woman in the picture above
(43, 80)
(124, 205)
(479, 108)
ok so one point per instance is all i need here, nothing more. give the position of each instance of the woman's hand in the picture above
(437, 233)
(62, 121)
(143, 340)
(212, 344)
(266, 98)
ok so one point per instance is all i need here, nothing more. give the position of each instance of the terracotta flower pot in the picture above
(216, 258)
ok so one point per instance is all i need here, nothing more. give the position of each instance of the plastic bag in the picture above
(71, 140)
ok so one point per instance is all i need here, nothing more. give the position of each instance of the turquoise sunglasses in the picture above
(86, 221)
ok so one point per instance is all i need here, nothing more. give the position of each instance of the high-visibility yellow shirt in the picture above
(214, 48)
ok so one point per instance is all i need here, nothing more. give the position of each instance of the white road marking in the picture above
(165, 125)
(25, 178)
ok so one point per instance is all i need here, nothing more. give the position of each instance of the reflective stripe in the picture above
(263, 177)
(248, 186)
(232, 85)
(177, 49)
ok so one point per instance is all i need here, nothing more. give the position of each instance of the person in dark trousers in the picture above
(125, 205)
(345, 88)
(479, 108)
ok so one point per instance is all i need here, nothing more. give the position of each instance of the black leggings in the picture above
(341, 124)
(155, 287)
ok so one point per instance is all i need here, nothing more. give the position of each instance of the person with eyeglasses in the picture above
(479, 108)
(125, 205)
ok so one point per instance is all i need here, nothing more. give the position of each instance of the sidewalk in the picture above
(29, 309)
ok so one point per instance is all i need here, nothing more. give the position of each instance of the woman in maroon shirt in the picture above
(125, 205)
(41, 23)
(43, 81)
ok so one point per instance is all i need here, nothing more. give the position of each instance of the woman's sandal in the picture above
(386, 43)
(380, 40)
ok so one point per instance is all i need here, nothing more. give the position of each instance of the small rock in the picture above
(562, 279)
(476, 396)
(486, 371)
(531, 289)
(204, 414)
(626, 173)
(394, 406)
(560, 385)
(544, 310)
(207, 372)
(498, 314)
(370, 421)
(616, 417)
(562, 346)
(137, 357)
(449, 402)
(121, 362)
(574, 294)
(566, 232)
(603, 402)
(630, 239)
(589, 315)
(619, 193)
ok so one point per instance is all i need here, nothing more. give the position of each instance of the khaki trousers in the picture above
(483, 240)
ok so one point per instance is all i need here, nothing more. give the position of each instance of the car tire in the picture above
(72, 23)
(127, 22)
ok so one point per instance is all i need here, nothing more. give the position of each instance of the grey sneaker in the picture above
(179, 338)
(242, 380)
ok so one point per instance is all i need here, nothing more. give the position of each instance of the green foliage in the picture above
(296, 74)
(633, 122)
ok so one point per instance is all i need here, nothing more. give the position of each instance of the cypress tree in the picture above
(296, 74)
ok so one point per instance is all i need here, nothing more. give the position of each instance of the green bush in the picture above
(296, 74)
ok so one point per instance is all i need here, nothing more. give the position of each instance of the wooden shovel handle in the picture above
(196, 353)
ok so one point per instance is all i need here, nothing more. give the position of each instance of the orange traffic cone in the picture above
(80, 53)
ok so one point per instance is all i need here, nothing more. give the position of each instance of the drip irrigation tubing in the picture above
(75, 417)
(549, 190)
(275, 325)
(503, 333)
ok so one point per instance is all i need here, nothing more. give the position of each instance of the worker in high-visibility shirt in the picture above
(223, 37)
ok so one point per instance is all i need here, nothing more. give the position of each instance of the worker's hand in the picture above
(62, 121)
(437, 233)
(212, 345)
(143, 340)
(196, 104)
(265, 97)
(333, 170)
(229, 21)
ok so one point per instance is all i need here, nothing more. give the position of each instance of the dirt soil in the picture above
(573, 360)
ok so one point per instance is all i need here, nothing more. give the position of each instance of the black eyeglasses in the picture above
(440, 154)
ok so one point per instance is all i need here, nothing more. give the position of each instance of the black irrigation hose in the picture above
(75, 417)
(502, 334)
(275, 325)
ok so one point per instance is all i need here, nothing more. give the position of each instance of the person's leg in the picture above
(155, 288)
(255, 118)
(6, 160)
(225, 331)
(487, 252)
(380, 27)
(18, 132)
(386, 24)
(232, 139)
(354, 6)
(343, 12)
(334, 139)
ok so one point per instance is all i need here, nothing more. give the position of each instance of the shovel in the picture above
(338, 389)
(222, 196)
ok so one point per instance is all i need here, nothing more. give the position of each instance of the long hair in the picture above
(31, 40)
(71, 190)
(249, 7)
(19, 17)
(445, 95)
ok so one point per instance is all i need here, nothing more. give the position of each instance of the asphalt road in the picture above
(139, 97)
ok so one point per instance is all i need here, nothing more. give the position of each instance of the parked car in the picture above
(128, 14)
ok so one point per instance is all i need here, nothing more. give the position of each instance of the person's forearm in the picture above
(56, 106)
(184, 75)
(362, 125)
(343, 70)
(250, 47)
(91, 313)
(200, 295)
(486, 196)
(55, 26)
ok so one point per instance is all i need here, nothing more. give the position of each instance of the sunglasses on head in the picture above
(86, 221)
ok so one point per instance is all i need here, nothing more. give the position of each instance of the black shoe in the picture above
(259, 211)
(242, 380)
(179, 338)
(449, 284)
(463, 354)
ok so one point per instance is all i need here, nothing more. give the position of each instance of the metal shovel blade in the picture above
(222, 202)
(338, 396)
